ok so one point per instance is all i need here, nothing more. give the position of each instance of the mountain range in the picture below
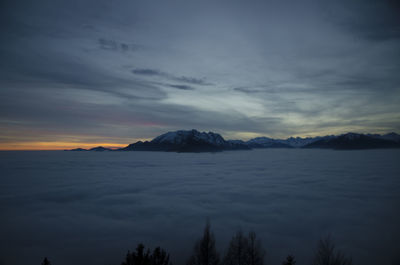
(187, 141)
(195, 141)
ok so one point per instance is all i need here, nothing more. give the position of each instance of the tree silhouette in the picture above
(238, 251)
(144, 257)
(327, 255)
(159, 257)
(46, 261)
(256, 252)
(204, 252)
(289, 260)
(244, 250)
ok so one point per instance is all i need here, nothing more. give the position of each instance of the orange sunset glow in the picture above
(36, 146)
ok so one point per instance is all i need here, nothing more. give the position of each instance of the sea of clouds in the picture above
(91, 207)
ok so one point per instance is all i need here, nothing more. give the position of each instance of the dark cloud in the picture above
(248, 90)
(372, 20)
(182, 87)
(183, 79)
(191, 80)
(113, 45)
(148, 72)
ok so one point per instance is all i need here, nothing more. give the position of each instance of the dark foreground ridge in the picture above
(195, 141)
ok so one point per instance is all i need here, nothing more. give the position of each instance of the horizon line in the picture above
(61, 145)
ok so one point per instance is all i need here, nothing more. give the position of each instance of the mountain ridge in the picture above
(355, 141)
(187, 141)
(195, 141)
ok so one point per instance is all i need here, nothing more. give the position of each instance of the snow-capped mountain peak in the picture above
(181, 137)
(351, 136)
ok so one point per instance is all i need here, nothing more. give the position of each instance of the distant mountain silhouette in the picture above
(346, 141)
(187, 141)
(390, 136)
(195, 141)
(266, 142)
(98, 149)
(77, 149)
(354, 141)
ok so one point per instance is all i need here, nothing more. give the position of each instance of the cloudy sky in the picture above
(84, 73)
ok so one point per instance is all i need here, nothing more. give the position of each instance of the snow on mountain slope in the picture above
(187, 141)
(181, 137)
(260, 142)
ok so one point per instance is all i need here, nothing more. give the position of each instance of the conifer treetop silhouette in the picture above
(328, 255)
(145, 257)
(204, 252)
(244, 250)
(255, 249)
(289, 260)
(237, 253)
(46, 261)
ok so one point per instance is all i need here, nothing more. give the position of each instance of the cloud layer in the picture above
(91, 207)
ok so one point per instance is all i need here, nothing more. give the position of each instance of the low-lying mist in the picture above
(92, 207)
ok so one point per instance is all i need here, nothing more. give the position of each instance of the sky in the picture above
(87, 73)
